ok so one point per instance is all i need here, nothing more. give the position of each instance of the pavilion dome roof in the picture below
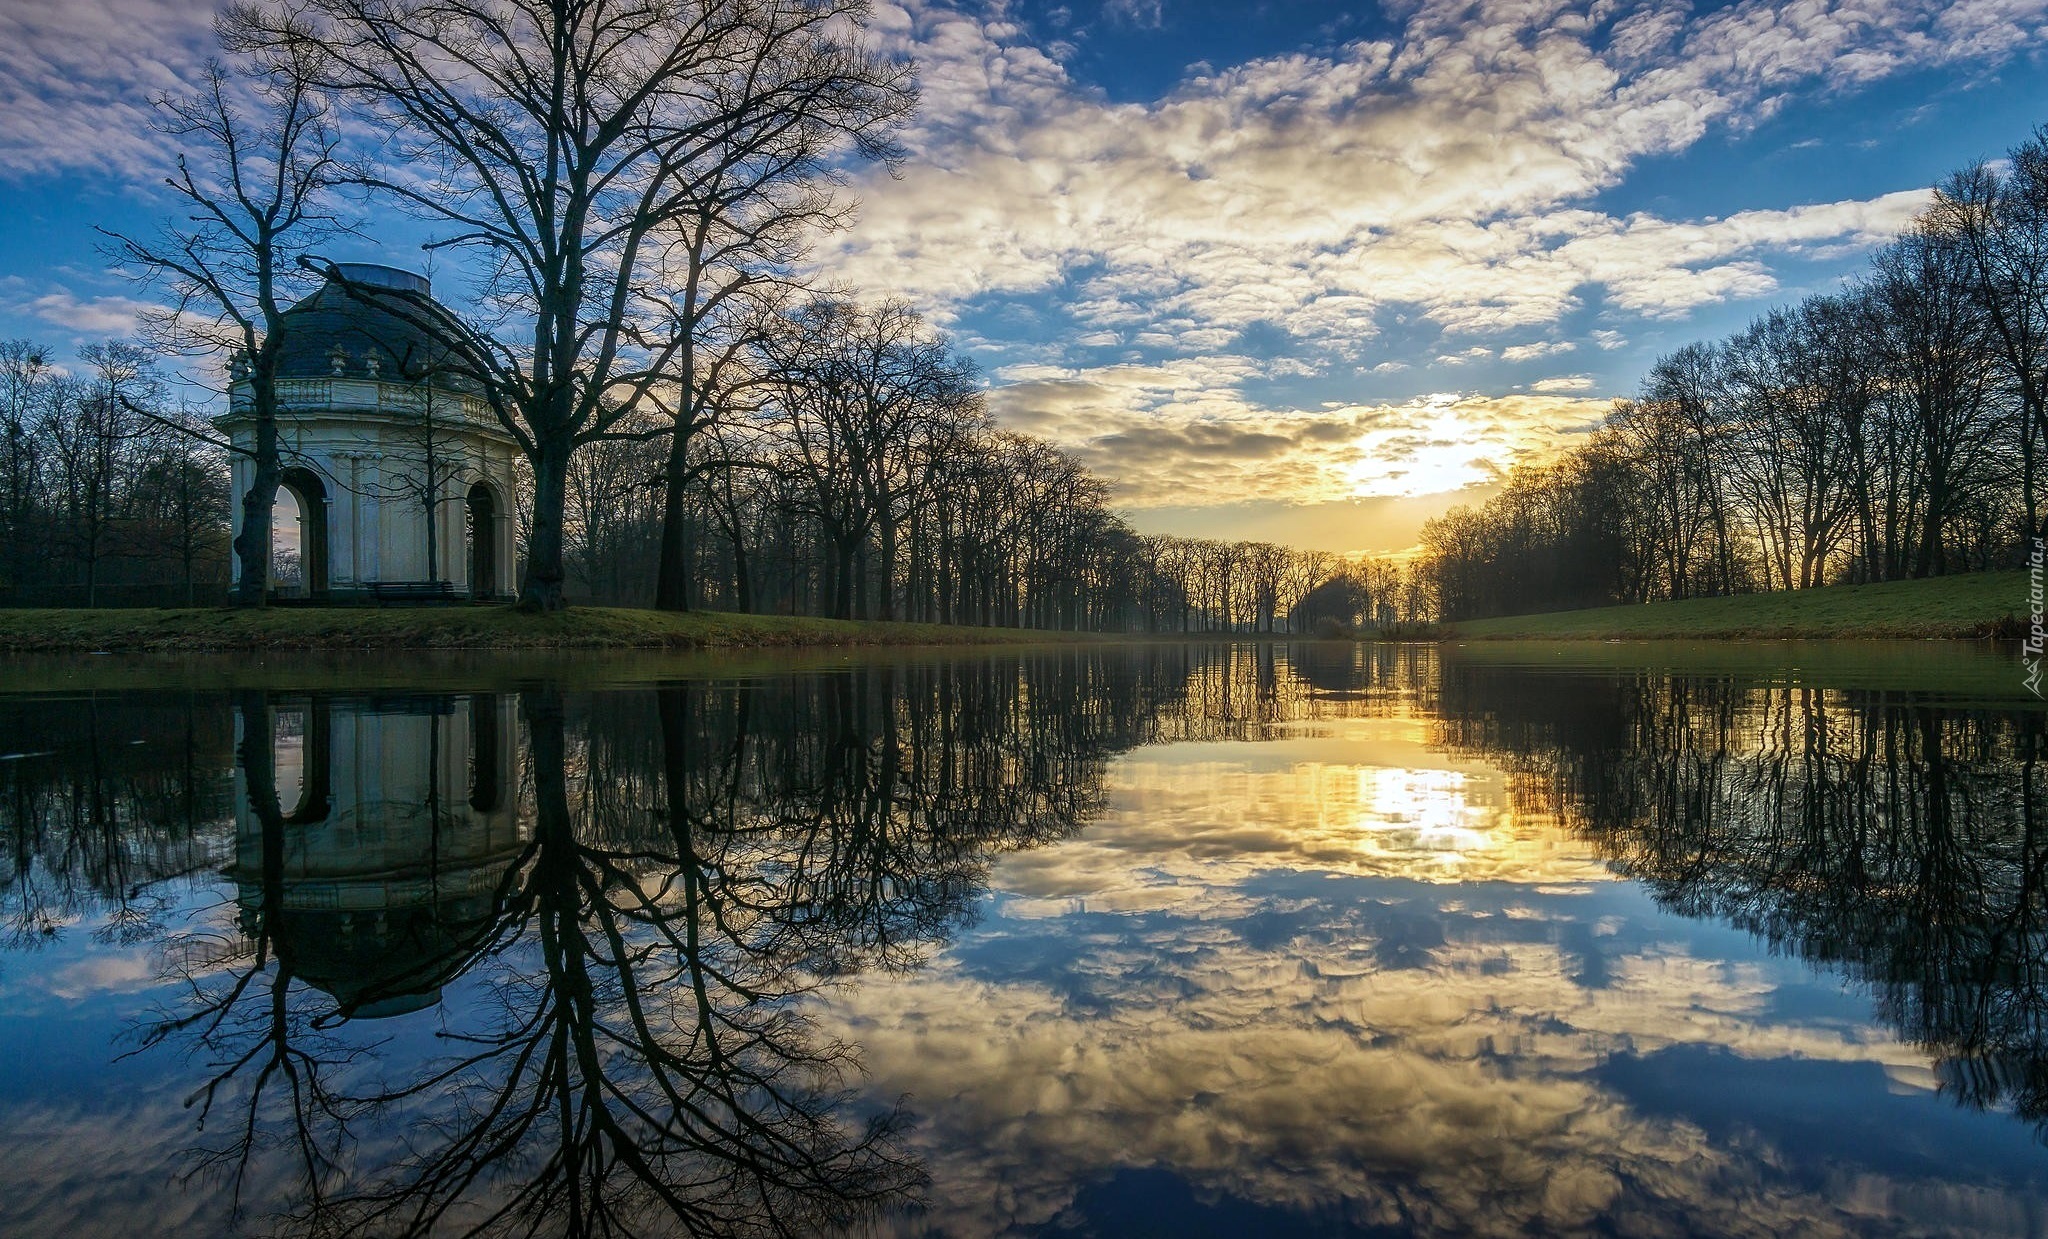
(337, 327)
(384, 961)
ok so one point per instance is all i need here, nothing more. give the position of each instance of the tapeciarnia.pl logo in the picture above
(2037, 634)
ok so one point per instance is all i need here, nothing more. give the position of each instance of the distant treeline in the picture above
(1893, 429)
(101, 503)
(853, 472)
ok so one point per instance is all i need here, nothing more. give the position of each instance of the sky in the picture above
(1305, 272)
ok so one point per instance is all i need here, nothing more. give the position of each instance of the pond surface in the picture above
(1116, 940)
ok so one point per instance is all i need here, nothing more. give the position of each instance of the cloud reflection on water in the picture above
(1341, 976)
(1361, 796)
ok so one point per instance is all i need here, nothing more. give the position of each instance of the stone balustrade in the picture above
(380, 395)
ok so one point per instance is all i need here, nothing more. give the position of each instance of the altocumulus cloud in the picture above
(1445, 174)
(77, 78)
(1438, 170)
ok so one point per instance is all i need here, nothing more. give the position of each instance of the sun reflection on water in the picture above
(1362, 797)
(1426, 811)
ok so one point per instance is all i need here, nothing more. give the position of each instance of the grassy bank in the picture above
(1976, 604)
(179, 629)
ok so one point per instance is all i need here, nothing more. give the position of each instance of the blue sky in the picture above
(1304, 271)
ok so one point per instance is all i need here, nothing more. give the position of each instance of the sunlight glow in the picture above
(1362, 796)
(1445, 452)
(1420, 811)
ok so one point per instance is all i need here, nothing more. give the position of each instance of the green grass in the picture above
(202, 629)
(1960, 673)
(1976, 604)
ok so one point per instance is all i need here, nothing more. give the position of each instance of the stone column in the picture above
(508, 530)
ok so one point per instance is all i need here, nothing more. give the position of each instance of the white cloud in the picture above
(1442, 169)
(77, 78)
(1540, 348)
(95, 316)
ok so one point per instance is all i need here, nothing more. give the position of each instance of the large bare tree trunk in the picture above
(672, 579)
(252, 545)
(541, 591)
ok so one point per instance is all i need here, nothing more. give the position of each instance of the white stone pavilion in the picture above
(376, 443)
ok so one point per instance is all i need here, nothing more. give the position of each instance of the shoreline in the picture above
(1973, 607)
(496, 627)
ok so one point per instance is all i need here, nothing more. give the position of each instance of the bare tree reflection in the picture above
(240, 1019)
(1896, 840)
(647, 1070)
(102, 799)
(637, 951)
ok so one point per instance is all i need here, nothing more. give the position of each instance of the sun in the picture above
(1438, 452)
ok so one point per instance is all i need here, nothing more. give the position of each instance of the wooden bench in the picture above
(412, 592)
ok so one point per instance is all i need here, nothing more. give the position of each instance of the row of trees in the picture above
(854, 472)
(100, 499)
(847, 466)
(890, 497)
(1893, 429)
(893, 498)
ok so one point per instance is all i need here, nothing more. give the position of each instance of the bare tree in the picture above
(1688, 384)
(614, 516)
(95, 442)
(723, 274)
(1938, 365)
(25, 394)
(255, 190)
(181, 499)
(559, 143)
(718, 347)
(1999, 221)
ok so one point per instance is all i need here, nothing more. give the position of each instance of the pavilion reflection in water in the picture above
(380, 857)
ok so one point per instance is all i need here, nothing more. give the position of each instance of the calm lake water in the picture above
(1180, 940)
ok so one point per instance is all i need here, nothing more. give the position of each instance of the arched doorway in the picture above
(480, 517)
(287, 557)
(309, 495)
(303, 748)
